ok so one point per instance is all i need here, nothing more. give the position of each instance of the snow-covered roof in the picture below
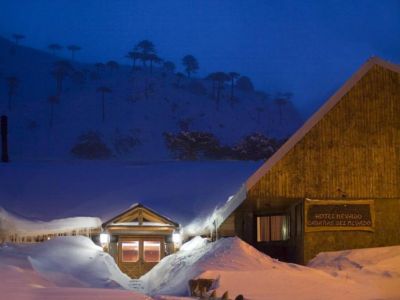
(12, 224)
(136, 206)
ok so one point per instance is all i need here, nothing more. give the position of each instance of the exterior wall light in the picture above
(104, 239)
(177, 238)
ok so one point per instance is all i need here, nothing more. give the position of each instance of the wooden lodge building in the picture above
(335, 184)
(138, 239)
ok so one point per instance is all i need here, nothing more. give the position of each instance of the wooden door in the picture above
(138, 255)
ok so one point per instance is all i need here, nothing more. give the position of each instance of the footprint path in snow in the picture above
(136, 285)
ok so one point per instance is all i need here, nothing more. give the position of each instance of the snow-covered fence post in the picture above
(4, 141)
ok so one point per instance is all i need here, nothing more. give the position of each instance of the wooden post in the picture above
(4, 141)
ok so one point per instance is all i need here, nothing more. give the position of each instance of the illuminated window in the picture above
(273, 228)
(130, 251)
(151, 251)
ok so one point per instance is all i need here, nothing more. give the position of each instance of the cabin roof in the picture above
(135, 207)
(317, 116)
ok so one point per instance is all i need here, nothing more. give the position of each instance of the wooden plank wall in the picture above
(352, 153)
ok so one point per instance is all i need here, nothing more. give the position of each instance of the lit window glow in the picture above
(151, 251)
(130, 251)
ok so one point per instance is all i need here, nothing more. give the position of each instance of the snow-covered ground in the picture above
(73, 267)
(240, 269)
(62, 268)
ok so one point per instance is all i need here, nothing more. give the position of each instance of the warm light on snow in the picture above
(104, 238)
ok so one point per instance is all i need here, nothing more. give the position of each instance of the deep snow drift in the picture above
(241, 269)
(377, 268)
(73, 267)
(62, 268)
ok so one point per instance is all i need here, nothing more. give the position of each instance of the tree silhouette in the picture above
(17, 37)
(112, 65)
(103, 90)
(134, 56)
(244, 83)
(221, 78)
(61, 70)
(12, 85)
(190, 63)
(233, 76)
(153, 58)
(169, 66)
(73, 49)
(52, 101)
(218, 80)
(54, 48)
(146, 49)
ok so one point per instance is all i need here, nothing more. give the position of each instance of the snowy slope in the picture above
(62, 268)
(128, 110)
(241, 269)
(182, 191)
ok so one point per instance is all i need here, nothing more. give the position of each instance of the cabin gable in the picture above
(349, 150)
(359, 136)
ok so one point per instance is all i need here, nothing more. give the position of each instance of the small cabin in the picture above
(139, 238)
(335, 184)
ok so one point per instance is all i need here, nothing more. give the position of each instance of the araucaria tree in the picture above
(61, 69)
(191, 64)
(153, 58)
(52, 101)
(134, 56)
(218, 80)
(73, 49)
(54, 48)
(12, 86)
(103, 90)
(146, 49)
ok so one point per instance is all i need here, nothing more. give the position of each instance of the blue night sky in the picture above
(307, 47)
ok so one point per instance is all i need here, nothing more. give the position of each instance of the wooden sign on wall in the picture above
(330, 215)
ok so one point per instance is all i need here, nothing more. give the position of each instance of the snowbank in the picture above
(62, 268)
(70, 261)
(240, 269)
(378, 268)
(11, 224)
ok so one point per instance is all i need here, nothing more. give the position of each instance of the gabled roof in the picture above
(316, 117)
(136, 207)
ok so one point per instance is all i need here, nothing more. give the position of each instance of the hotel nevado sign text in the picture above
(329, 215)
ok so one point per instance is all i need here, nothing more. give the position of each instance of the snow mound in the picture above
(239, 268)
(62, 268)
(384, 261)
(70, 261)
(199, 257)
